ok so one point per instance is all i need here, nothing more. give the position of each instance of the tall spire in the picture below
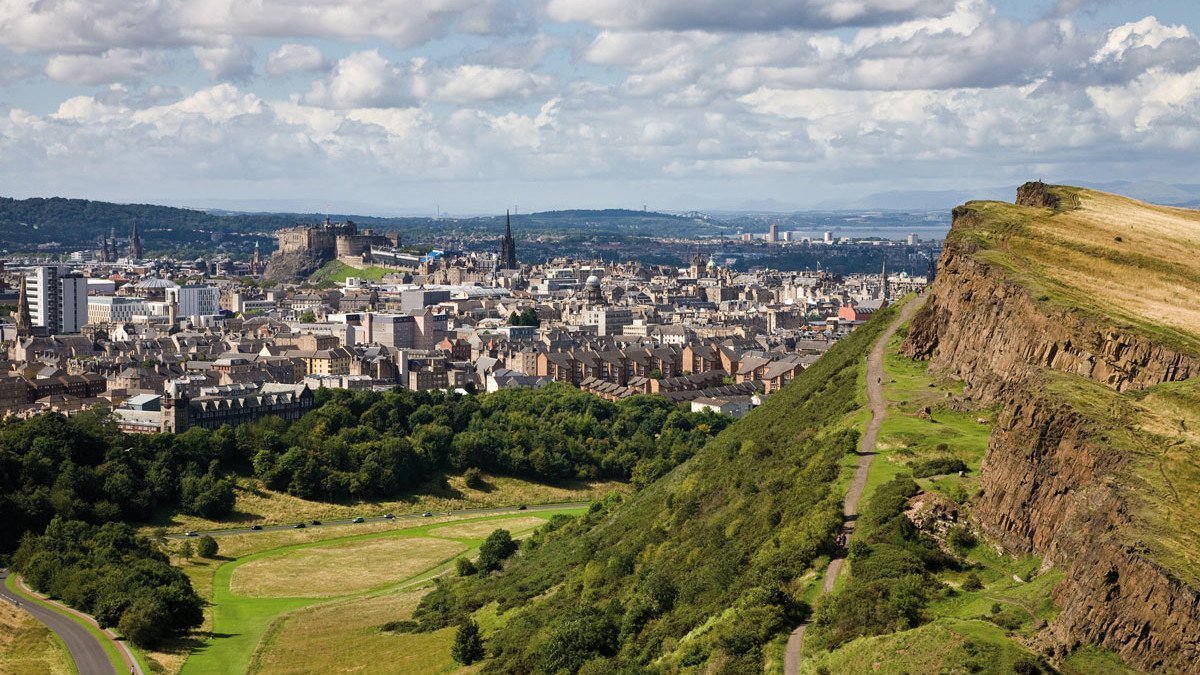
(508, 247)
(135, 244)
(22, 318)
(886, 292)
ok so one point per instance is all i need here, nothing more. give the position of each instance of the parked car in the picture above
(427, 514)
(299, 526)
(388, 516)
(190, 534)
(256, 527)
(357, 520)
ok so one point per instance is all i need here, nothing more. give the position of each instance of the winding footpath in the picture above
(86, 651)
(866, 453)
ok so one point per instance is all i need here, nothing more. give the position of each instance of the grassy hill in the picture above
(705, 566)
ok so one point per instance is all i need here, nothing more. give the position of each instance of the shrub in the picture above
(960, 539)
(207, 547)
(937, 466)
(972, 582)
(474, 479)
(495, 549)
(404, 626)
(468, 644)
(465, 567)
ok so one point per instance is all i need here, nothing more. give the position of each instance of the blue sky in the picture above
(467, 106)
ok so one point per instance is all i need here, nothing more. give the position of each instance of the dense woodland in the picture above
(68, 484)
(696, 568)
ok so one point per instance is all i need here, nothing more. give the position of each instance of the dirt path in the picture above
(866, 453)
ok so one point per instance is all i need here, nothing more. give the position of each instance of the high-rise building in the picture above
(773, 236)
(885, 291)
(913, 239)
(508, 247)
(57, 300)
(195, 300)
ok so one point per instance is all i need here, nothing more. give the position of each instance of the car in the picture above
(388, 516)
(427, 514)
(522, 507)
(256, 527)
(299, 526)
(190, 534)
(315, 522)
(358, 520)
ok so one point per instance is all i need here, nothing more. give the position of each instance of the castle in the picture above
(327, 240)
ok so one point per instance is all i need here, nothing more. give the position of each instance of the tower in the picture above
(508, 248)
(256, 262)
(885, 287)
(135, 244)
(22, 319)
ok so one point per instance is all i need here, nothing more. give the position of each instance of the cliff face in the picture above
(1050, 480)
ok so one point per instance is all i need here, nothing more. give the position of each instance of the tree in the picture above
(186, 550)
(474, 478)
(207, 547)
(468, 644)
(495, 549)
(308, 317)
(145, 622)
(465, 567)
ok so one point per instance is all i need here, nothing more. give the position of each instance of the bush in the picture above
(404, 626)
(207, 547)
(937, 466)
(145, 622)
(960, 539)
(468, 644)
(474, 479)
(495, 549)
(465, 567)
(972, 582)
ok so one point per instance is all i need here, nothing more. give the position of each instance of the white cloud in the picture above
(228, 61)
(752, 15)
(1148, 32)
(294, 58)
(113, 65)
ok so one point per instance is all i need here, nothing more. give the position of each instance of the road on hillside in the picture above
(89, 656)
(482, 511)
(866, 453)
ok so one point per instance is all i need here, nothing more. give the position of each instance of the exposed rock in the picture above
(286, 267)
(1048, 480)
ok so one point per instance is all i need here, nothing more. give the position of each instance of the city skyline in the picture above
(456, 107)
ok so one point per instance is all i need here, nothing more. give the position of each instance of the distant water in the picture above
(926, 231)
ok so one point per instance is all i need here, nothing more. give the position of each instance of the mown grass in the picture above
(257, 504)
(336, 272)
(239, 623)
(28, 647)
(340, 568)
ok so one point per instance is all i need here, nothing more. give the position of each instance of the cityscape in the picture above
(599, 337)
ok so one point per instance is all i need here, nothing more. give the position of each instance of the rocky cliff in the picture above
(1053, 481)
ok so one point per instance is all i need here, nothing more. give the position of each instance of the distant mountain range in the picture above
(1154, 192)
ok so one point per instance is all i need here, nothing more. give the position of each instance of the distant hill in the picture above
(78, 223)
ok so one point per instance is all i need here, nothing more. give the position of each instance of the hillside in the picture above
(1071, 312)
(707, 565)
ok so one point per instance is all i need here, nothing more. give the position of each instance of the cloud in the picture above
(113, 65)
(367, 79)
(70, 26)
(751, 15)
(294, 58)
(229, 61)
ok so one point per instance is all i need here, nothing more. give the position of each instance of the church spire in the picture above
(508, 247)
(135, 244)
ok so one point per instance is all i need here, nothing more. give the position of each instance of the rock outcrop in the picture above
(1049, 480)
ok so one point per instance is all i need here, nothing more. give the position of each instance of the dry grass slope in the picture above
(27, 647)
(1111, 255)
(324, 571)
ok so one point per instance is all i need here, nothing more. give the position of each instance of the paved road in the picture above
(866, 453)
(484, 511)
(90, 658)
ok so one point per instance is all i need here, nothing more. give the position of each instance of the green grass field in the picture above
(257, 504)
(968, 631)
(336, 272)
(292, 633)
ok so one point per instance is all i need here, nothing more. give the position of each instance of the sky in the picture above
(474, 106)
